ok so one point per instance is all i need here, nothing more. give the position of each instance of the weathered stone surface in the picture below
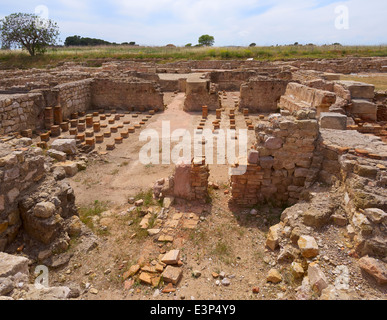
(253, 156)
(297, 270)
(172, 274)
(331, 120)
(146, 278)
(376, 215)
(75, 226)
(364, 109)
(308, 246)
(376, 268)
(42, 293)
(67, 146)
(273, 236)
(172, 257)
(358, 90)
(57, 155)
(317, 278)
(273, 143)
(44, 210)
(131, 272)
(70, 167)
(6, 286)
(274, 276)
(11, 265)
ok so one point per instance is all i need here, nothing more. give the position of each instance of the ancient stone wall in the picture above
(199, 93)
(189, 181)
(261, 94)
(230, 80)
(283, 164)
(29, 198)
(346, 66)
(358, 164)
(21, 111)
(298, 96)
(74, 97)
(126, 94)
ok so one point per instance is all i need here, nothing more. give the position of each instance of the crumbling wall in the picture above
(189, 181)
(357, 163)
(199, 93)
(298, 96)
(346, 65)
(230, 80)
(29, 198)
(21, 111)
(126, 94)
(283, 164)
(261, 94)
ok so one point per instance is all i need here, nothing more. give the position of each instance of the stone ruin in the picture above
(319, 147)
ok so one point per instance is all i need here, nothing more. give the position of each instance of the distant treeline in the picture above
(81, 41)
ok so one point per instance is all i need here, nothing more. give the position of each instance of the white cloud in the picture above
(231, 22)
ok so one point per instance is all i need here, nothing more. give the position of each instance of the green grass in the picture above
(87, 213)
(147, 196)
(95, 56)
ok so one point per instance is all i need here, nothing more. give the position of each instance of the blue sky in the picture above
(231, 22)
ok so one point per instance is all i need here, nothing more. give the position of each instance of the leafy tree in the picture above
(28, 31)
(206, 40)
(80, 41)
(188, 45)
(253, 44)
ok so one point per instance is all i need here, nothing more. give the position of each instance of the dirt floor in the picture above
(212, 238)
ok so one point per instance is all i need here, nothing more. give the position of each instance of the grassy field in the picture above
(94, 56)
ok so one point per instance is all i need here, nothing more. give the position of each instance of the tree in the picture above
(188, 45)
(28, 31)
(206, 40)
(253, 44)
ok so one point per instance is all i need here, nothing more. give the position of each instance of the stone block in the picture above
(10, 265)
(67, 146)
(331, 120)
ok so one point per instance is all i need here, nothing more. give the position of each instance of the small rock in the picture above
(274, 276)
(172, 257)
(139, 203)
(256, 290)
(169, 288)
(376, 268)
(172, 274)
(308, 246)
(94, 291)
(156, 293)
(226, 282)
(6, 286)
(196, 273)
(317, 278)
(297, 270)
(273, 236)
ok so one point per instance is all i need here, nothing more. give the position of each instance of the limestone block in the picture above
(57, 155)
(10, 265)
(317, 278)
(358, 90)
(308, 246)
(44, 210)
(67, 146)
(364, 109)
(330, 120)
